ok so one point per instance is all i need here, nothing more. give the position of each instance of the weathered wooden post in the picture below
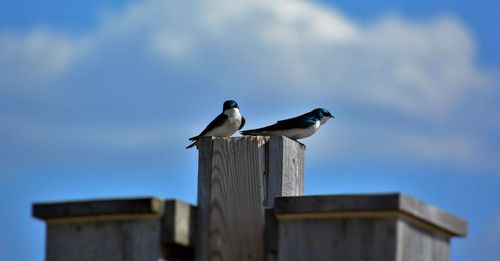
(237, 179)
(250, 207)
(376, 227)
(122, 229)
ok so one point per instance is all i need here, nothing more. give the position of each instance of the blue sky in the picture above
(98, 98)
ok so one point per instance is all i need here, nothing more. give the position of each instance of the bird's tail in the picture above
(195, 140)
(191, 145)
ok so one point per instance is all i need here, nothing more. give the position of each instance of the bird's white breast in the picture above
(230, 126)
(298, 133)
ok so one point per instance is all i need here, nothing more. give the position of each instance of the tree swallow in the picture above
(224, 125)
(296, 128)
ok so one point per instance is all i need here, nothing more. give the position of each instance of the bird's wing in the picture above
(294, 123)
(218, 121)
(192, 144)
(242, 123)
(297, 122)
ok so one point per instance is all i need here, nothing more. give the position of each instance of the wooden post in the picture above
(238, 178)
(286, 169)
(119, 229)
(380, 227)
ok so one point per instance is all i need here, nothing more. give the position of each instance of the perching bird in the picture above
(296, 128)
(224, 125)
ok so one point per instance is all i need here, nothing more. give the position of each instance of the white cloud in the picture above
(273, 51)
(38, 56)
(428, 67)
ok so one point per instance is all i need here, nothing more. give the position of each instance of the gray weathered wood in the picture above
(327, 203)
(432, 215)
(271, 235)
(205, 145)
(381, 227)
(236, 212)
(179, 223)
(286, 169)
(373, 202)
(125, 229)
(104, 240)
(416, 243)
(238, 178)
(178, 230)
(49, 210)
(346, 239)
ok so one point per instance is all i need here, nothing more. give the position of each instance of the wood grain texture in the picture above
(236, 213)
(102, 207)
(336, 203)
(133, 240)
(118, 229)
(178, 230)
(351, 239)
(374, 202)
(205, 145)
(372, 227)
(271, 236)
(416, 243)
(178, 223)
(452, 224)
(285, 169)
(238, 178)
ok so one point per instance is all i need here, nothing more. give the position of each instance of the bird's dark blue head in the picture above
(322, 114)
(230, 104)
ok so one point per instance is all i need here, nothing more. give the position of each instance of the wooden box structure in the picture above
(118, 229)
(250, 207)
(377, 227)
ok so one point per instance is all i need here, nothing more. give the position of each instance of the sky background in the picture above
(98, 98)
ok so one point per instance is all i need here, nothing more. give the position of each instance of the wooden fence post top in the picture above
(366, 205)
(238, 178)
(176, 215)
(145, 228)
(97, 208)
(260, 139)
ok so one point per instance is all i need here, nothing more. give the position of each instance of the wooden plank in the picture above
(238, 178)
(58, 210)
(125, 229)
(205, 146)
(107, 240)
(178, 230)
(336, 203)
(370, 239)
(178, 223)
(416, 243)
(236, 213)
(285, 170)
(373, 203)
(271, 235)
(455, 225)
